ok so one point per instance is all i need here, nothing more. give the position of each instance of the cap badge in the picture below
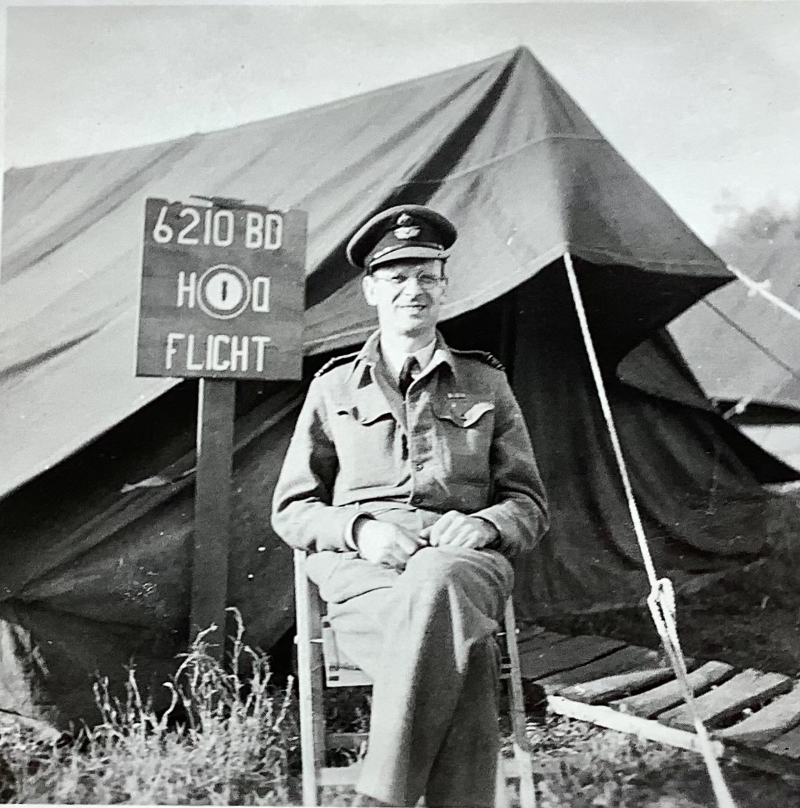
(405, 229)
(406, 233)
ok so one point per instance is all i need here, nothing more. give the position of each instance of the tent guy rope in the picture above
(744, 402)
(754, 288)
(763, 348)
(661, 599)
(762, 288)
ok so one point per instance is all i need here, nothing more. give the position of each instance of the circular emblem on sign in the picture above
(223, 291)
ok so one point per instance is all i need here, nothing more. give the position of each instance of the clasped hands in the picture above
(389, 545)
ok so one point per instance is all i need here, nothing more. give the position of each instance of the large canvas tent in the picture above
(96, 568)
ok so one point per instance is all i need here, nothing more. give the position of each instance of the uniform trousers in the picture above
(426, 637)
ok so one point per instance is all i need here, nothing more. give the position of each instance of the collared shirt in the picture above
(457, 442)
(396, 359)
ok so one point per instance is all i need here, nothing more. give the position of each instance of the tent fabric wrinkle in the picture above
(26, 364)
(97, 570)
(44, 206)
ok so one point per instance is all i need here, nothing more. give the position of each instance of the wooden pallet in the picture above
(752, 717)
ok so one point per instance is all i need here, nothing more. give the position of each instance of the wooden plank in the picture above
(572, 652)
(212, 511)
(533, 633)
(787, 745)
(601, 691)
(622, 661)
(339, 670)
(777, 718)
(532, 649)
(539, 642)
(746, 689)
(339, 775)
(347, 677)
(660, 698)
(633, 725)
(346, 740)
(638, 677)
(756, 757)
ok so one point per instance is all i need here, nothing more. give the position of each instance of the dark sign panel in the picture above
(223, 291)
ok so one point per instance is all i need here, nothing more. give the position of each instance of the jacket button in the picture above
(419, 466)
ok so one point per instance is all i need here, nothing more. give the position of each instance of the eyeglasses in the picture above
(399, 279)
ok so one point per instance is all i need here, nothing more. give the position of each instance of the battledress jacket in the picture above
(457, 442)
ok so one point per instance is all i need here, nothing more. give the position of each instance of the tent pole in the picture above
(212, 512)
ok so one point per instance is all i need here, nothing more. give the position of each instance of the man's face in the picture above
(408, 295)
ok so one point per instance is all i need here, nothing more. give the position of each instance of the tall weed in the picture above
(227, 738)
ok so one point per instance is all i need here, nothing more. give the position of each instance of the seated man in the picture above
(411, 481)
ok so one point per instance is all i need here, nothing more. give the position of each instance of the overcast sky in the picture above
(703, 99)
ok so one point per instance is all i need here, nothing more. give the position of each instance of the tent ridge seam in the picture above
(505, 155)
(481, 67)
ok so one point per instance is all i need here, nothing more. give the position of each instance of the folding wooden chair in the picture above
(320, 664)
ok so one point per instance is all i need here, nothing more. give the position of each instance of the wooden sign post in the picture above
(222, 298)
(212, 510)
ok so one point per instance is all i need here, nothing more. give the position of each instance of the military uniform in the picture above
(457, 441)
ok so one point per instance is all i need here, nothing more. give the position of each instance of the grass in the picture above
(228, 737)
(231, 738)
(231, 734)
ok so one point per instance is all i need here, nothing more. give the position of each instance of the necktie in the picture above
(410, 367)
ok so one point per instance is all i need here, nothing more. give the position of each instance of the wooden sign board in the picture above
(222, 291)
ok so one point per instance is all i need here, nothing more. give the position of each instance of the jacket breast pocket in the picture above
(466, 426)
(369, 448)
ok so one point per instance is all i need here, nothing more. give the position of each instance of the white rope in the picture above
(762, 288)
(661, 599)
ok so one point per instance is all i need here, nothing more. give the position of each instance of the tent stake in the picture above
(212, 512)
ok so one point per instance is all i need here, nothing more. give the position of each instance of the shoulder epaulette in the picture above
(483, 356)
(335, 362)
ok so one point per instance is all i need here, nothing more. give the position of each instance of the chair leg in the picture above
(522, 757)
(500, 786)
(309, 681)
